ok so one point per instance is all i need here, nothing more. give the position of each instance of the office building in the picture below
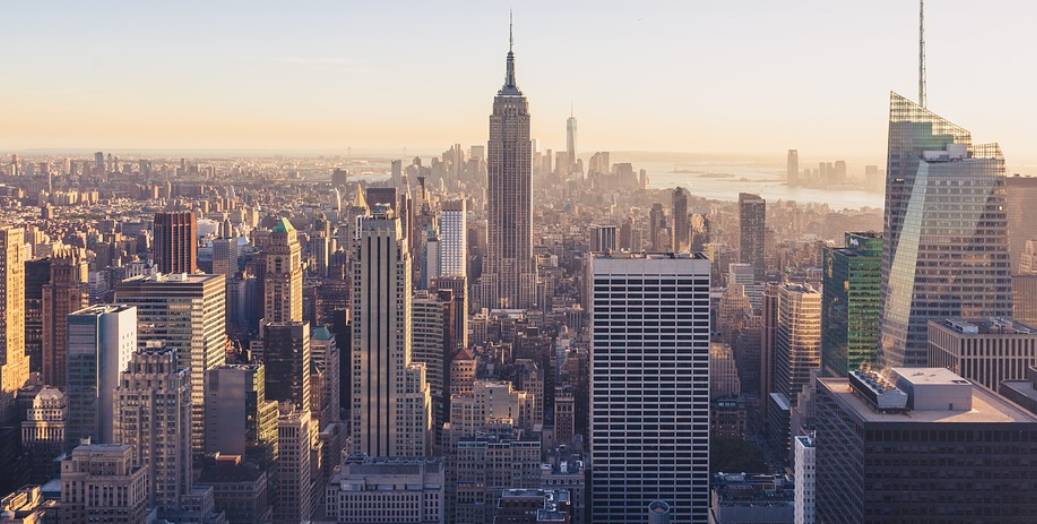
(1021, 198)
(1024, 298)
(944, 197)
(797, 348)
(286, 356)
(282, 282)
(740, 498)
(681, 223)
(921, 445)
(225, 257)
(453, 238)
(485, 467)
(752, 211)
(658, 230)
(176, 242)
(379, 489)
(391, 398)
(14, 365)
(65, 293)
(240, 490)
(153, 415)
(532, 506)
(850, 303)
(489, 406)
(602, 239)
(650, 357)
(101, 340)
(570, 142)
(432, 326)
(101, 483)
(320, 244)
(768, 339)
(792, 168)
(240, 419)
(37, 275)
(986, 351)
(295, 432)
(509, 269)
(185, 313)
(806, 478)
(326, 357)
(458, 286)
(462, 372)
(43, 434)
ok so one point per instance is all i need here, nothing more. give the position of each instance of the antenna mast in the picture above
(921, 54)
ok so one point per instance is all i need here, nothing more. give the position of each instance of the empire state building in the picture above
(510, 273)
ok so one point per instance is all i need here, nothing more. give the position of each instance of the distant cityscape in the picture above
(506, 333)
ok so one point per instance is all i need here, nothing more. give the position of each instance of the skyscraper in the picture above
(14, 365)
(570, 141)
(282, 283)
(66, 293)
(432, 328)
(186, 313)
(153, 415)
(792, 168)
(240, 420)
(946, 231)
(37, 275)
(176, 242)
(753, 214)
(286, 355)
(453, 239)
(119, 487)
(659, 236)
(391, 400)
(797, 348)
(509, 269)
(1021, 194)
(850, 303)
(101, 340)
(650, 389)
(681, 224)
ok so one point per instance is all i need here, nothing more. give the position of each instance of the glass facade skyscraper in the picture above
(753, 214)
(946, 231)
(850, 303)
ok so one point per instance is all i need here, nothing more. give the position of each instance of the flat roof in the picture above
(1023, 387)
(930, 377)
(987, 407)
(985, 326)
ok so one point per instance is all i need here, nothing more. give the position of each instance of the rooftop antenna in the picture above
(511, 32)
(921, 54)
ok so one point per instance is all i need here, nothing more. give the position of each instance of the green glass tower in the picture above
(850, 303)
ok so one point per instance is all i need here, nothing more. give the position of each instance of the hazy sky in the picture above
(746, 77)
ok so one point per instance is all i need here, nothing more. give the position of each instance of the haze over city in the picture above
(744, 78)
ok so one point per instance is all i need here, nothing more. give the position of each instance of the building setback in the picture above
(986, 351)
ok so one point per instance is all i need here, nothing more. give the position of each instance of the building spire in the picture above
(921, 54)
(509, 78)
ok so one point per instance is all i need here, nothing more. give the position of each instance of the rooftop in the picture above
(985, 326)
(987, 407)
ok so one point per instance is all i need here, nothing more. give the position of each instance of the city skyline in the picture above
(377, 84)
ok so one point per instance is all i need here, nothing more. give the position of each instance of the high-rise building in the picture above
(881, 443)
(326, 357)
(681, 223)
(658, 232)
(753, 215)
(37, 275)
(1024, 298)
(509, 269)
(101, 483)
(101, 340)
(570, 141)
(286, 355)
(65, 293)
(43, 434)
(986, 351)
(176, 242)
(850, 303)
(486, 466)
(797, 348)
(320, 243)
(1021, 196)
(153, 415)
(187, 313)
(411, 487)
(432, 323)
(792, 168)
(225, 257)
(458, 287)
(650, 364)
(282, 283)
(391, 398)
(768, 340)
(14, 365)
(295, 432)
(240, 420)
(453, 239)
(602, 239)
(946, 236)
(806, 475)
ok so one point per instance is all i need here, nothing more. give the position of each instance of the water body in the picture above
(724, 179)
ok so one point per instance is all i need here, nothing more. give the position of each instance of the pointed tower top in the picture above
(511, 31)
(510, 87)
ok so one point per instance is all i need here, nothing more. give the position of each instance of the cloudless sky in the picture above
(744, 77)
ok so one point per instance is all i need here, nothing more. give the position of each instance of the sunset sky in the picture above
(742, 77)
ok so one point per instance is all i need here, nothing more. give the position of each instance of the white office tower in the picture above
(392, 406)
(649, 386)
(805, 473)
(101, 341)
(453, 239)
